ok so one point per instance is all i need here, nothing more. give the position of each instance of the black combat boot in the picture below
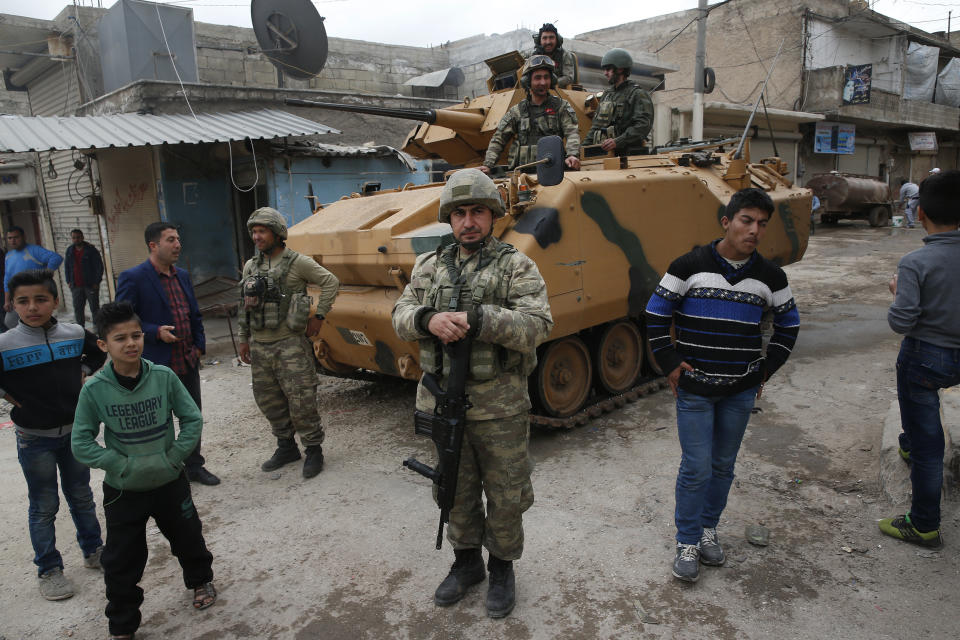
(502, 591)
(314, 462)
(467, 570)
(286, 453)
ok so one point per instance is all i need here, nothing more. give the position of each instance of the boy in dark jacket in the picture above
(926, 311)
(136, 400)
(42, 364)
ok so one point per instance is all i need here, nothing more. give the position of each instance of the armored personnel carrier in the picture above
(602, 238)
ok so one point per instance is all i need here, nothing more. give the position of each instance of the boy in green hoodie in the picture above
(136, 400)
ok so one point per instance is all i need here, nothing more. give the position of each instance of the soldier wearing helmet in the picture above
(539, 114)
(500, 299)
(549, 42)
(275, 320)
(625, 115)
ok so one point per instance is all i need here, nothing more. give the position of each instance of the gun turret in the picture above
(458, 134)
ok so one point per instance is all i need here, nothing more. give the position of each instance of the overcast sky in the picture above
(423, 23)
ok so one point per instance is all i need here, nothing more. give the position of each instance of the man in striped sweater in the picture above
(717, 295)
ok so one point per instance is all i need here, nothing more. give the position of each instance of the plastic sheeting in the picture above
(921, 72)
(948, 84)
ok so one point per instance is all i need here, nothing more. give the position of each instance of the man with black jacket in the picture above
(83, 268)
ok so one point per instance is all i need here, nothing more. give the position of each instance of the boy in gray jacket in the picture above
(927, 311)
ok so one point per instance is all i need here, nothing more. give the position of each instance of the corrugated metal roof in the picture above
(20, 133)
(339, 150)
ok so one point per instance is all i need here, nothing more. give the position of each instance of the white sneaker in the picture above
(55, 586)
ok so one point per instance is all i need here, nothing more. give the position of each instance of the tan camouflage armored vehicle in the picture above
(602, 238)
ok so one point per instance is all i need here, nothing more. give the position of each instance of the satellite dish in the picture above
(291, 35)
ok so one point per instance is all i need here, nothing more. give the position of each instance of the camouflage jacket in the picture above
(303, 271)
(514, 317)
(525, 123)
(566, 61)
(625, 114)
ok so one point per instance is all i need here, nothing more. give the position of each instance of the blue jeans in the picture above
(39, 457)
(710, 430)
(923, 369)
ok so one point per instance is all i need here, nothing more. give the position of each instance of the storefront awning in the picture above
(21, 133)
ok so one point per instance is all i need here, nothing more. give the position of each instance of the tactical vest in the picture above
(453, 291)
(267, 301)
(530, 130)
(608, 121)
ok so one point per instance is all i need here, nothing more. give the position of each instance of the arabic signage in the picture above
(856, 84)
(923, 140)
(835, 137)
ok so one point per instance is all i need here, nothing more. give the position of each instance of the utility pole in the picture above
(697, 125)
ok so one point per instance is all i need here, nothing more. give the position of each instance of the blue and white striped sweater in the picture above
(717, 310)
(40, 367)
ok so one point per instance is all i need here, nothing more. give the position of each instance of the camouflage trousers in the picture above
(285, 388)
(493, 461)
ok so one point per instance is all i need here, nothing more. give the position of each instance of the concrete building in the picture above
(825, 44)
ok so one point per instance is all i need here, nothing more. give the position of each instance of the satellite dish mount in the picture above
(291, 36)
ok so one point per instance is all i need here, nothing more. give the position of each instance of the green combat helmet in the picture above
(271, 219)
(539, 61)
(617, 58)
(469, 186)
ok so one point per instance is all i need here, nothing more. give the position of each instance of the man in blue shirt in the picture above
(23, 257)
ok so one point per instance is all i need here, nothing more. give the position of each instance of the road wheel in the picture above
(618, 356)
(879, 216)
(563, 377)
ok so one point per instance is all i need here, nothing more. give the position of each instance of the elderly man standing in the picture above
(275, 321)
(23, 257)
(173, 336)
(83, 269)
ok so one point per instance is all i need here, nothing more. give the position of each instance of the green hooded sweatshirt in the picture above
(141, 451)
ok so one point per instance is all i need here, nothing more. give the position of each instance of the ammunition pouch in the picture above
(262, 300)
(298, 312)
(487, 360)
(267, 304)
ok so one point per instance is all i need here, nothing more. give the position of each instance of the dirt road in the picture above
(350, 554)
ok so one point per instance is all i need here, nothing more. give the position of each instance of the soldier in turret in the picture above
(273, 318)
(499, 298)
(548, 41)
(539, 114)
(625, 115)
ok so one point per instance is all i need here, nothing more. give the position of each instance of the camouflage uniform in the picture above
(507, 290)
(283, 370)
(566, 61)
(626, 115)
(525, 123)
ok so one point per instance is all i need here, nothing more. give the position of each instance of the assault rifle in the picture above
(445, 427)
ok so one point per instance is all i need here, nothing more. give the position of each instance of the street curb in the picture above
(894, 473)
(950, 415)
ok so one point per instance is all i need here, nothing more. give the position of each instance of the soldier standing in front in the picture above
(503, 304)
(625, 115)
(539, 114)
(275, 321)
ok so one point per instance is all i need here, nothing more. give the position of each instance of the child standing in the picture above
(136, 400)
(927, 311)
(42, 363)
